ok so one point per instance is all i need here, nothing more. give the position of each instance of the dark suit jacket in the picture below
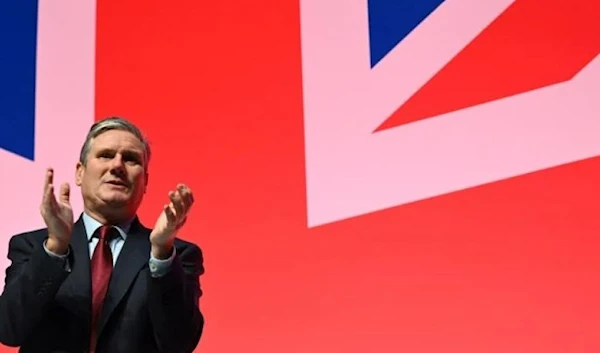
(46, 309)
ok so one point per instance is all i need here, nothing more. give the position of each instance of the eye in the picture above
(132, 159)
(106, 155)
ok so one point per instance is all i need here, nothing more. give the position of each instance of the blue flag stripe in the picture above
(18, 38)
(390, 21)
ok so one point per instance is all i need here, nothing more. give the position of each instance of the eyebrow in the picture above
(127, 152)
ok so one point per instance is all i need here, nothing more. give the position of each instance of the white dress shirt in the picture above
(158, 268)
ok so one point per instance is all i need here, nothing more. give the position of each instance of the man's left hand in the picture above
(171, 219)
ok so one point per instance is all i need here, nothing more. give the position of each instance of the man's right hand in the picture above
(57, 214)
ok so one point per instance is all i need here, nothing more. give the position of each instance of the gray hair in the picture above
(113, 123)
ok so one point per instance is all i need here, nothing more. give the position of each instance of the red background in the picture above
(506, 267)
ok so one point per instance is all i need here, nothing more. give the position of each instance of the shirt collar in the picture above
(91, 225)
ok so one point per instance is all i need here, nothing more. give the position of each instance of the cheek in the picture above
(92, 180)
(137, 177)
(93, 173)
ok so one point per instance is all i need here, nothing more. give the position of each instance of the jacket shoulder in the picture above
(32, 235)
(187, 247)
(184, 243)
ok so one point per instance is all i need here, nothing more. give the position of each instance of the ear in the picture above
(79, 171)
(146, 175)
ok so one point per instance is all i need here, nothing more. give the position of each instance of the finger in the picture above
(186, 195)
(48, 199)
(182, 201)
(64, 193)
(177, 203)
(48, 180)
(47, 203)
(169, 213)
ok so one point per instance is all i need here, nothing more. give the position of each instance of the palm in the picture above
(57, 214)
(173, 216)
(59, 219)
(163, 229)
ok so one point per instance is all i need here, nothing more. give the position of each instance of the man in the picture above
(104, 283)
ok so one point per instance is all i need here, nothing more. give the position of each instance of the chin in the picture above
(116, 199)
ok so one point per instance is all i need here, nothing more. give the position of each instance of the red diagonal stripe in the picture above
(534, 43)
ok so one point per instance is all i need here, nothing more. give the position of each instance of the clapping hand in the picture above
(57, 214)
(171, 219)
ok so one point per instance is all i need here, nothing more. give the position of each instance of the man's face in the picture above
(113, 181)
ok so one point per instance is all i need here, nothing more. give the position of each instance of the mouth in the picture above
(119, 183)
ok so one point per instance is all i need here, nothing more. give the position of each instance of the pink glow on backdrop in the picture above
(64, 112)
(351, 172)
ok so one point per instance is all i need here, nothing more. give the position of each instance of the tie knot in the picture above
(107, 233)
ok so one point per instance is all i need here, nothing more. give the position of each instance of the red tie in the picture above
(101, 266)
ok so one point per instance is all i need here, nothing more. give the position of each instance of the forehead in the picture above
(116, 139)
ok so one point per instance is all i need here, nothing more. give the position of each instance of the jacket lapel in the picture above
(75, 292)
(133, 256)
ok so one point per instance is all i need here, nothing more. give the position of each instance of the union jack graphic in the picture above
(47, 95)
(409, 100)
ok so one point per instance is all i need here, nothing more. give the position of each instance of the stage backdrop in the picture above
(370, 176)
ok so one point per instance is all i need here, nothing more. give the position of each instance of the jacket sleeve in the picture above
(173, 302)
(31, 282)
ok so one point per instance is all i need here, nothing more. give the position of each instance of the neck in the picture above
(112, 219)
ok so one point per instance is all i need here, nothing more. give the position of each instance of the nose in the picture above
(117, 167)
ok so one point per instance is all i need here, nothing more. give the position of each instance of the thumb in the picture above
(65, 192)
